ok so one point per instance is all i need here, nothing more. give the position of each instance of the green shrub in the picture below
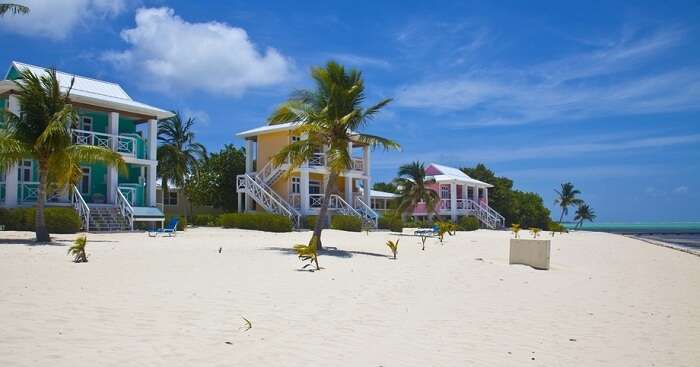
(555, 227)
(309, 221)
(257, 221)
(468, 223)
(346, 223)
(393, 224)
(58, 220)
(208, 220)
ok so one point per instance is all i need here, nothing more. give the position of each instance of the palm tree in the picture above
(178, 154)
(413, 183)
(584, 212)
(330, 117)
(42, 132)
(566, 198)
(13, 8)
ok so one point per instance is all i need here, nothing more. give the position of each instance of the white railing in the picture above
(126, 210)
(294, 200)
(266, 197)
(270, 172)
(129, 193)
(81, 207)
(318, 159)
(358, 164)
(486, 214)
(126, 145)
(28, 191)
(369, 215)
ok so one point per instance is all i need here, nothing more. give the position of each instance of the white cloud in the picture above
(589, 84)
(56, 19)
(215, 57)
(202, 117)
(681, 190)
(359, 61)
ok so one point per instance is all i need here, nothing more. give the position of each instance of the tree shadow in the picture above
(29, 242)
(327, 251)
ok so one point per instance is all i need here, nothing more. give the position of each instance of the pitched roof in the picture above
(93, 91)
(454, 174)
(382, 194)
(266, 129)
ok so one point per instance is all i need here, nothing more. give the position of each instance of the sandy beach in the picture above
(607, 301)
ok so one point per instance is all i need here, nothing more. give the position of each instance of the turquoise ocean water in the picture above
(682, 234)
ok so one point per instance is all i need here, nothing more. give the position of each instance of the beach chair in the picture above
(170, 229)
(427, 231)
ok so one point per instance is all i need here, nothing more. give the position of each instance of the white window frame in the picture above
(83, 174)
(313, 183)
(445, 192)
(167, 198)
(295, 185)
(83, 119)
(23, 167)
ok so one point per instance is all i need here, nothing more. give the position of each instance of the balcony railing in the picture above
(27, 192)
(126, 145)
(462, 205)
(358, 164)
(319, 160)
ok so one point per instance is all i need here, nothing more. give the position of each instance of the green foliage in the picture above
(346, 223)
(584, 212)
(386, 187)
(257, 221)
(13, 9)
(468, 223)
(213, 179)
(205, 220)
(445, 227)
(393, 246)
(525, 208)
(58, 220)
(78, 250)
(555, 227)
(566, 197)
(392, 223)
(178, 152)
(515, 228)
(309, 221)
(414, 188)
(535, 232)
(308, 253)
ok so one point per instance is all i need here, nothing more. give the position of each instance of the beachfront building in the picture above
(460, 195)
(104, 198)
(265, 187)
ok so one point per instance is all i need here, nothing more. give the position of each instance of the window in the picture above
(314, 187)
(296, 185)
(85, 180)
(86, 123)
(444, 191)
(170, 198)
(295, 138)
(24, 173)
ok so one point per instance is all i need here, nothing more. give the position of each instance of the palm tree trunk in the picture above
(561, 217)
(42, 233)
(323, 213)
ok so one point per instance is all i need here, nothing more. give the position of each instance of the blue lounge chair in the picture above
(170, 229)
(427, 231)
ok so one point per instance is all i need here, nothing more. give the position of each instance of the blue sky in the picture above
(605, 95)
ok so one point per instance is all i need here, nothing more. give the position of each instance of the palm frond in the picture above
(13, 9)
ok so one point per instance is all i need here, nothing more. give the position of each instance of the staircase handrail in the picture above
(368, 211)
(125, 207)
(81, 207)
(246, 179)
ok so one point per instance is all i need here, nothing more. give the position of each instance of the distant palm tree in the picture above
(178, 153)
(566, 198)
(13, 8)
(413, 183)
(330, 117)
(42, 132)
(584, 212)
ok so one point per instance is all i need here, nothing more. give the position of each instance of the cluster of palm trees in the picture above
(567, 197)
(13, 8)
(413, 185)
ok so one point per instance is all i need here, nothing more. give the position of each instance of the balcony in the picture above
(319, 160)
(128, 146)
(27, 192)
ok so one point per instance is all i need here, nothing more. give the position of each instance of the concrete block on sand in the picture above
(534, 253)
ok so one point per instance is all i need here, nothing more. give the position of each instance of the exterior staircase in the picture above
(486, 215)
(107, 219)
(257, 186)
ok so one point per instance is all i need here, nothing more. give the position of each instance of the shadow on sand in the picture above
(327, 251)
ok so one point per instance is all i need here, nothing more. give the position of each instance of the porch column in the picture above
(348, 189)
(153, 139)
(304, 190)
(486, 195)
(365, 157)
(248, 157)
(152, 184)
(11, 179)
(366, 191)
(112, 174)
(453, 201)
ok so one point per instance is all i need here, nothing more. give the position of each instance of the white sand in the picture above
(607, 301)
